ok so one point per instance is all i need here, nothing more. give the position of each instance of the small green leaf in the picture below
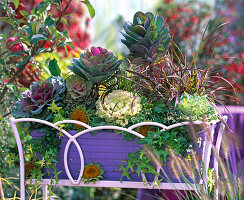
(90, 8)
(42, 7)
(24, 14)
(54, 68)
(21, 21)
(11, 86)
(3, 36)
(66, 50)
(64, 21)
(36, 38)
(39, 51)
(8, 20)
(17, 54)
(64, 33)
(16, 3)
(47, 61)
(33, 27)
(49, 21)
(71, 46)
(54, 108)
(61, 44)
(2, 62)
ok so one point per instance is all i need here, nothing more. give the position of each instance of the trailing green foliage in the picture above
(48, 147)
(137, 162)
(159, 142)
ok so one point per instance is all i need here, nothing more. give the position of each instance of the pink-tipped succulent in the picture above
(96, 65)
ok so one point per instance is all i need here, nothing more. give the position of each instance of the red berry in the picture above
(6, 81)
(61, 27)
(9, 41)
(16, 48)
(46, 45)
(12, 5)
(54, 11)
(17, 12)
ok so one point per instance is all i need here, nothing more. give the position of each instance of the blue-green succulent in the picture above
(146, 38)
(95, 65)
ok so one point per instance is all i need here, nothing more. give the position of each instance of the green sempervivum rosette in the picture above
(80, 92)
(92, 173)
(146, 38)
(95, 65)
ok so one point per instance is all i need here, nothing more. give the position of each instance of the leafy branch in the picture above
(63, 12)
(28, 58)
(13, 78)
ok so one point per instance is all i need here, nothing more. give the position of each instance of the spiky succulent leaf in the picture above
(95, 65)
(147, 38)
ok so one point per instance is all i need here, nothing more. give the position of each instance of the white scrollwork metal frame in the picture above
(125, 184)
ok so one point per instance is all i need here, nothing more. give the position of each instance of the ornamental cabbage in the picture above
(39, 96)
(95, 65)
(196, 106)
(77, 87)
(118, 106)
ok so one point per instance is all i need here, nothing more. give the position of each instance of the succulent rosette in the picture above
(77, 86)
(118, 106)
(39, 96)
(95, 65)
(146, 38)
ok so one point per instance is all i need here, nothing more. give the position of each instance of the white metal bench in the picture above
(103, 183)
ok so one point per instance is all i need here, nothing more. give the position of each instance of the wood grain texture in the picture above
(108, 149)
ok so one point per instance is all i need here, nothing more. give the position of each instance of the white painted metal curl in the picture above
(72, 139)
(147, 124)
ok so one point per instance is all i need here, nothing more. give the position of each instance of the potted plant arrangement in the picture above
(119, 108)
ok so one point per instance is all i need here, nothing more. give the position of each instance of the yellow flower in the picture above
(144, 130)
(92, 173)
(80, 114)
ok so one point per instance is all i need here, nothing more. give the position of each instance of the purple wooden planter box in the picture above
(108, 149)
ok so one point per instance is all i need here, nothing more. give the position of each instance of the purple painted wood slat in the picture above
(108, 149)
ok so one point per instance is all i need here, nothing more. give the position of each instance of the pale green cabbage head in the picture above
(118, 106)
